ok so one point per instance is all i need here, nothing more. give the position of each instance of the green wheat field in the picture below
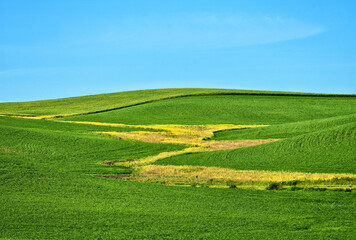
(179, 164)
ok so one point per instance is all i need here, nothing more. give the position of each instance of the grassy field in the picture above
(104, 102)
(51, 170)
(325, 151)
(287, 130)
(235, 109)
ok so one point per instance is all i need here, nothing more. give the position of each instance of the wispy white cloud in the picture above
(178, 31)
(204, 30)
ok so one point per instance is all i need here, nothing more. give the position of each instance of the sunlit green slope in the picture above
(280, 131)
(49, 170)
(237, 109)
(102, 102)
(324, 151)
(48, 191)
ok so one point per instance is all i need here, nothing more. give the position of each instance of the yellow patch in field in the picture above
(194, 136)
(162, 155)
(31, 117)
(97, 123)
(42, 117)
(236, 175)
(229, 178)
(196, 131)
(185, 134)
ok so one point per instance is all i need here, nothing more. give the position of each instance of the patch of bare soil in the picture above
(110, 163)
(225, 145)
(6, 150)
(194, 136)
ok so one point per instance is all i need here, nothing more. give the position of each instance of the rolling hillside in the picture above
(324, 151)
(237, 109)
(112, 166)
(104, 102)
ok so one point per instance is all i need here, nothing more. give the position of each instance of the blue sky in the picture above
(53, 49)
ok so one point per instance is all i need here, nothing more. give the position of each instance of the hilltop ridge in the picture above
(112, 101)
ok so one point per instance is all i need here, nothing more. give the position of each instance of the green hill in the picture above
(62, 179)
(103, 102)
(238, 109)
(324, 151)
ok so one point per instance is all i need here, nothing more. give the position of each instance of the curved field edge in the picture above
(222, 177)
(227, 109)
(44, 203)
(111, 101)
(67, 126)
(328, 151)
(67, 150)
(212, 176)
(285, 130)
(48, 192)
(196, 137)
